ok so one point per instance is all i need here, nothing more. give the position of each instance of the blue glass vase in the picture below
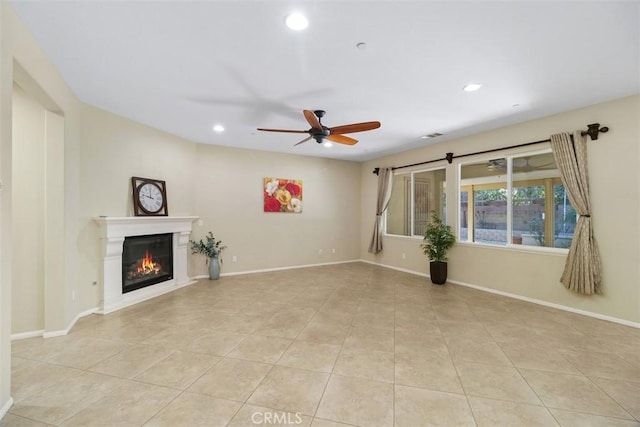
(214, 268)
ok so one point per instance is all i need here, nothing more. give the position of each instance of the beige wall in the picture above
(28, 212)
(230, 202)
(38, 260)
(613, 167)
(6, 87)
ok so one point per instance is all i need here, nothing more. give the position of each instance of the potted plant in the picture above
(212, 249)
(438, 239)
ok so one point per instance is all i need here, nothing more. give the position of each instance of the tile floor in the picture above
(351, 344)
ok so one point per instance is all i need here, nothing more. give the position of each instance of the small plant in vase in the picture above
(211, 248)
(438, 239)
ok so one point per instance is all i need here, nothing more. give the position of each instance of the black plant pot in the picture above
(438, 271)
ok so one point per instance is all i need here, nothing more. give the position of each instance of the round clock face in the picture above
(150, 197)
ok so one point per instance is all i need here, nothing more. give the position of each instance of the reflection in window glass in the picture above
(429, 198)
(398, 212)
(490, 215)
(463, 234)
(414, 197)
(483, 202)
(529, 215)
(541, 214)
(564, 218)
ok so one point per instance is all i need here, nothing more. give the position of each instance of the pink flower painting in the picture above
(282, 195)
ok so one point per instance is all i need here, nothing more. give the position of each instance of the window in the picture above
(517, 200)
(414, 197)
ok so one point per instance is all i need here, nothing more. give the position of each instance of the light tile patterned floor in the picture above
(350, 344)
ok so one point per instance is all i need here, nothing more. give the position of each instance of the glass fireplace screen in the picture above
(146, 260)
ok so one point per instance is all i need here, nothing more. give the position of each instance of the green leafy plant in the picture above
(212, 248)
(536, 227)
(438, 239)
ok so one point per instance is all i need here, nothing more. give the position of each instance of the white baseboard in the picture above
(62, 332)
(549, 304)
(25, 335)
(520, 297)
(404, 270)
(266, 270)
(52, 334)
(6, 407)
(136, 297)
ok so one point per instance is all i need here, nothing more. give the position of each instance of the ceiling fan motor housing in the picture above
(319, 134)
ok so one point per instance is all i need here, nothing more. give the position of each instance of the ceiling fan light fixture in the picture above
(327, 144)
(218, 128)
(296, 21)
(471, 87)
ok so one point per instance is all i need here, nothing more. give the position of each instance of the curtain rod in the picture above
(593, 130)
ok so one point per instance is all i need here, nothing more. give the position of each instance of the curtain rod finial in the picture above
(376, 171)
(593, 130)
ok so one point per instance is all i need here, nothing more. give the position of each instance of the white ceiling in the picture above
(184, 66)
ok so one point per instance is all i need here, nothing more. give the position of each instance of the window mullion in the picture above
(549, 219)
(413, 205)
(509, 200)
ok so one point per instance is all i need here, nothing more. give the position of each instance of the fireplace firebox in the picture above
(146, 260)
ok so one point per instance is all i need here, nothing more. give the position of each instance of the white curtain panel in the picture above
(583, 269)
(385, 176)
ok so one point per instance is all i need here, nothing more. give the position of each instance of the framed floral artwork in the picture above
(282, 195)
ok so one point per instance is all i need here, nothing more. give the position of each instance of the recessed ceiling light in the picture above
(296, 21)
(472, 87)
(431, 135)
(218, 128)
(328, 144)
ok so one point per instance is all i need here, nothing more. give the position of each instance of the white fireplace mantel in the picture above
(113, 230)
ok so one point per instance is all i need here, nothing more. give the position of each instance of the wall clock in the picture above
(149, 197)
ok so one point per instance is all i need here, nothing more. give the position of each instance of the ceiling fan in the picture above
(520, 164)
(319, 132)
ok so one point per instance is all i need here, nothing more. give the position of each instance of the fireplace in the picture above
(146, 260)
(113, 231)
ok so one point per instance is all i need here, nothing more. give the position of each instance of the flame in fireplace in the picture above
(148, 266)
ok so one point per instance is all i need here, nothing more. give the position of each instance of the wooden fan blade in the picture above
(304, 140)
(312, 119)
(341, 139)
(355, 127)
(283, 130)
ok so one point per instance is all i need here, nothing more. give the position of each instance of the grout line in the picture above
(455, 367)
(610, 397)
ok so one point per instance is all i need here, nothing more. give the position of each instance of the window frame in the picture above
(509, 189)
